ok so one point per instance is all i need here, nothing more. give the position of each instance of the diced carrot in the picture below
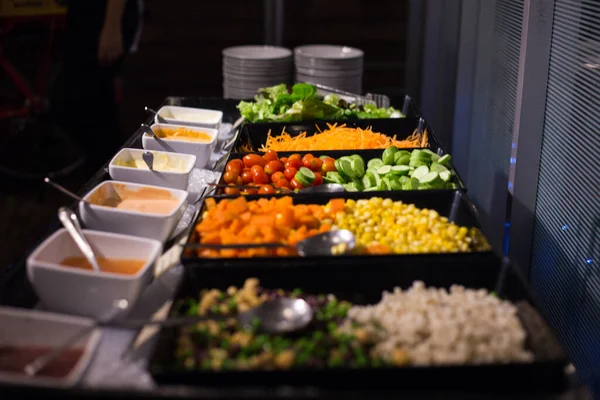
(210, 203)
(336, 206)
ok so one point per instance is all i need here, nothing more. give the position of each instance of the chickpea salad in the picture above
(418, 326)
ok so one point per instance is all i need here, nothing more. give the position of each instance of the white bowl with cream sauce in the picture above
(170, 170)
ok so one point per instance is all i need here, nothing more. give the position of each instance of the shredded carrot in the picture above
(341, 138)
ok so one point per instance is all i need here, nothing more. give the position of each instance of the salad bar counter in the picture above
(319, 249)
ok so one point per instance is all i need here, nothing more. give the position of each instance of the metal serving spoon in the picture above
(321, 244)
(110, 202)
(282, 315)
(71, 223)
(62, 189)
(148, 158)
(158, 117)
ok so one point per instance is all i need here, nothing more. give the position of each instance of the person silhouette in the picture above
(99, 35)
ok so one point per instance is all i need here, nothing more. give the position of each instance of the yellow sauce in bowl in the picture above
(182, 133)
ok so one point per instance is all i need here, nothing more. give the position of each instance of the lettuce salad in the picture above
(277, 104)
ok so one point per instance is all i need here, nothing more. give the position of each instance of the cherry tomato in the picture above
(251, 160)
(266, 189)
(231, 176)
(232, 190)
(283, 184)
(295, 156)
(239, 181)
(235, 165)
(296, 184)
(283, 159)
(277, 176)
(314, 164)
(306, 160)
(247, 176)
(318, 179)
(289, 173)
(328, 165)
(273, 166)
(260, 178)
(250, 191)
(256, 169)
(293, 163)
(271, 155)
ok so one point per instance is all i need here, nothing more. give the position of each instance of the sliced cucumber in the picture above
(356, 157)
(412, 184)
(445, 176)
(431, 178)
(400, 170)
(451, 185)
(377, 179)
(358, 167)
(334, 177)
(420, 172)
(386, 183)
(388, 155)
(445, 160)
(346, 168)
(395, 183)
(375, 163)
(404, 179)
(305, 176)
(372, 189)
(369, 180)
(420, 155)
(384, 170)
(351, 187)
(401, 158)
(437, 167)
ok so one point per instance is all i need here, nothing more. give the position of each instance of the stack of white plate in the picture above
(249, 68)
(339, 67)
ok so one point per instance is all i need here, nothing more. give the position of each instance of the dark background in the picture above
(179, 54)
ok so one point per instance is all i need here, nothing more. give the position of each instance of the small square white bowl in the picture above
(31, 328)
(135, 223)
(84, 292)
(190, 116)
(202, 150)
(174, 180)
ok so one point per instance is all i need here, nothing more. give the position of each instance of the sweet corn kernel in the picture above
(405, 228)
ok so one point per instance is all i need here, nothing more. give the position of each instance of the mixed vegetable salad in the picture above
(226, 345)
(277, 104)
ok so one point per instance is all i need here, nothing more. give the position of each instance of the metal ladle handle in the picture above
(71, 223)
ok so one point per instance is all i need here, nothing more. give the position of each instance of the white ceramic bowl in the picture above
(88, 293)
(135, 223)
(202, 150)
(31, 328)
(174, 180)
(191, 116)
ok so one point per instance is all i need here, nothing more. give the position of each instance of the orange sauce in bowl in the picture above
(125, 266)
(182, 133)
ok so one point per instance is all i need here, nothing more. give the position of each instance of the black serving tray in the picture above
(364, 286)
(452, 204)
(253, 136)
(365, 154)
